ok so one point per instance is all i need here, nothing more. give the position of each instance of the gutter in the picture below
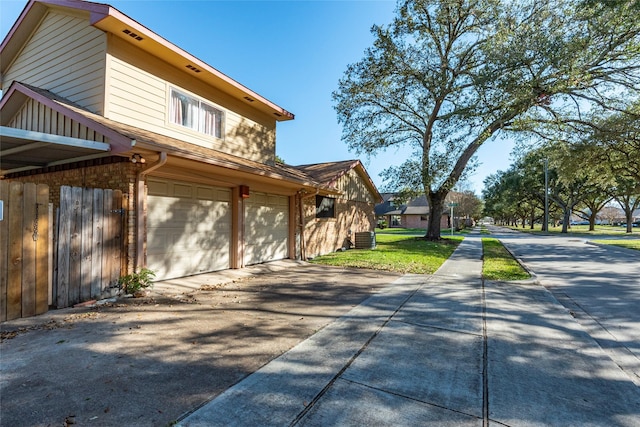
(141, 202)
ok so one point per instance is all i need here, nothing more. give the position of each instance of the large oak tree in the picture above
(447, 76)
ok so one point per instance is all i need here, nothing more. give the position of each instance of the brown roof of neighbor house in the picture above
(111, 20)
(328, 173)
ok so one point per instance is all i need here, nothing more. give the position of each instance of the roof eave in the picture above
(109, 19)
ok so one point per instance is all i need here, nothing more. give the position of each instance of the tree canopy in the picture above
(446, 76)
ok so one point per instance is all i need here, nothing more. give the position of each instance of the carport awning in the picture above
(22, 150)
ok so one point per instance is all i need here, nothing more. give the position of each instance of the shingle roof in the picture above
(328, 173)
(319, 175)
(155, 141)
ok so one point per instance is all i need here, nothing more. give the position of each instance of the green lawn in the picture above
(498, 263)
(628, 243)
(604, 230)
(398, 251)
(404, 251)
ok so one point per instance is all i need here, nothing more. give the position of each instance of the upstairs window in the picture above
(325, 207)
(190, 112)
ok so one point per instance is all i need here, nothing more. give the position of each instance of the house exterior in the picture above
(412, 214)
(92, 98)
(331, 221)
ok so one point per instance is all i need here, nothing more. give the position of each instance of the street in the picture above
(599, 284)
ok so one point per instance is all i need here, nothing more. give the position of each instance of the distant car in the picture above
(633, 224)
(579, 223)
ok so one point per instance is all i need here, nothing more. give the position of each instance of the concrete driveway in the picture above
(149, 361)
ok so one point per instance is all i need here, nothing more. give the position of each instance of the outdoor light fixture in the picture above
(137, 158)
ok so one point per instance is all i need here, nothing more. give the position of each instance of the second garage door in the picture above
(188, 228)
(266, 228)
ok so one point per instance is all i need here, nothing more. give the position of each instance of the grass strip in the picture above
(629, 244)
(603, 230)
(396, 252)
(499, 264)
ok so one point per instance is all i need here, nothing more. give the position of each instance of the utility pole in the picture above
(545, 224)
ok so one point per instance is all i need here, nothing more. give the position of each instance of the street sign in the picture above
(452, 205)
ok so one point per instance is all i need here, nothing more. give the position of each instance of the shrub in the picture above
(135, 282)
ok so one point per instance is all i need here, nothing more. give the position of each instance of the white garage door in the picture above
(266, 228)
(188, 228)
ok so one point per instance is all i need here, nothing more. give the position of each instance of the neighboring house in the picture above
(413, 214)
(92, 98)
(330, 221)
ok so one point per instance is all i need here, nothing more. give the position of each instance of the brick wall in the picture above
(417, 221)
(323, 236)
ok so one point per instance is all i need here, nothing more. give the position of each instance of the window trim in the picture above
(202, 106)
(331, 210)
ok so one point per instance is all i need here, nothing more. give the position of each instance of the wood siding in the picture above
(354, 188)
(66, 56)
(138, 87)
(37, 117)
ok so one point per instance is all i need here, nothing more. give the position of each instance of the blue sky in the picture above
(290, 52)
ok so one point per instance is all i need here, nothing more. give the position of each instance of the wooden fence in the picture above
(85, 261)
(25, 250)
(89, 244)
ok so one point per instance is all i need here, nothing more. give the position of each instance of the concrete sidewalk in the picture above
(441, 350)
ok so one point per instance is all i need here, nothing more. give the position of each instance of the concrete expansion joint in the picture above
(439, 328)
(404, 396)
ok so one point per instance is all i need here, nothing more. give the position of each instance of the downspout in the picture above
(140, 208)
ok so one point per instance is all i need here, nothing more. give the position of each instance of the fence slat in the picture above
(75, 254)
(86, 244)
(107, 244)
(64, 248)
(14, 282)
(42, 250)
(29, 250)
(117, 260)
(4, 253)
(96, 243)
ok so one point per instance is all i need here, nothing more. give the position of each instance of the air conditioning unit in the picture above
(366, 240)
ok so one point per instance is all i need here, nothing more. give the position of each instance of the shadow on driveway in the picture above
(146, 362)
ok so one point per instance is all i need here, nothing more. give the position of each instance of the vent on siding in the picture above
(192, 68)
(132, 34)
(249, 99)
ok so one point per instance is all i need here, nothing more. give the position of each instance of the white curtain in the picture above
(175, 108)
(211, 121)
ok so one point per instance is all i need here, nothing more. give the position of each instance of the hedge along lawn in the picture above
(629, 243)
(401, 253)
(498, 264)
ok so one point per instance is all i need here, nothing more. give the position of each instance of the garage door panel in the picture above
(188, 228)
(266, 228)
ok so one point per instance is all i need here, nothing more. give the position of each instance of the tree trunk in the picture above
(628, 213)
(436, 206)
(532, 218)
(592, 220)
(565, 220)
